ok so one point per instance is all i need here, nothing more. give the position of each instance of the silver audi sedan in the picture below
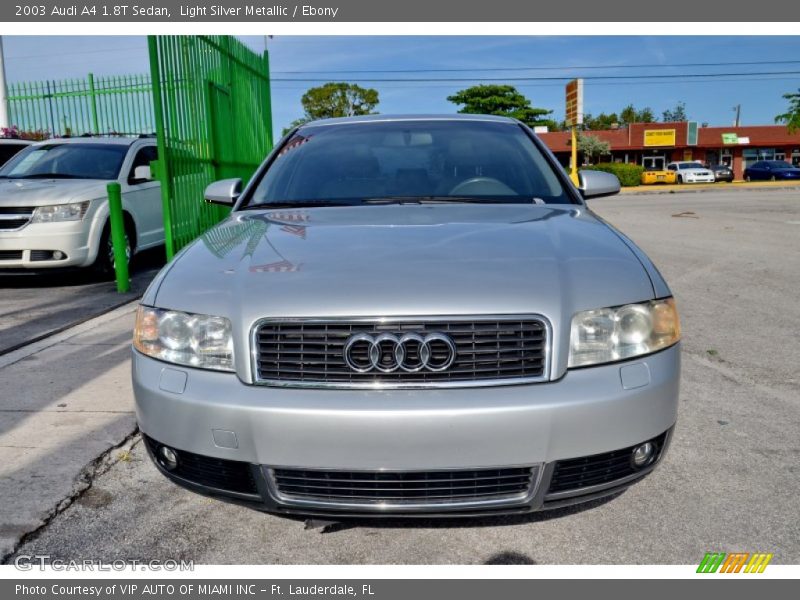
(408, 315)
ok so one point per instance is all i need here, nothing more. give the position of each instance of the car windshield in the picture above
(66, 161)
(684, 166)
(409, 161)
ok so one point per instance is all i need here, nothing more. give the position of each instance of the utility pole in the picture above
(738, 110)
(4, 121)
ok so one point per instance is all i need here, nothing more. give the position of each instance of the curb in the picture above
(728, 188)
(51, 339)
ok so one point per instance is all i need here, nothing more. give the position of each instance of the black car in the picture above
(771, 170)
(722, 172)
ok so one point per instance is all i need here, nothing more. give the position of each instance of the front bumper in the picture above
(587, 412)
(19, 249)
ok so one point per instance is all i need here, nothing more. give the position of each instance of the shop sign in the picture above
(659, 137)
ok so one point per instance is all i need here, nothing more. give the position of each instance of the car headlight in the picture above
(60, 212)
(609, 334)
(193, 340)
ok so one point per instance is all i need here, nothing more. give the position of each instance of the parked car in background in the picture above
(691, 172)
(408, 315)
(771, 170)
(54, 204)
(721, 172)
(10, 146)
(654, 176)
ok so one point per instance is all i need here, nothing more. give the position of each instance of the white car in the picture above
(691, 172)
(54, 203)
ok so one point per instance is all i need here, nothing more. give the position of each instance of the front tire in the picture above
(103, 265)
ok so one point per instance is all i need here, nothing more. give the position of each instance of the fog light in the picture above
(643, 454)
(168, 458)
(58, 255)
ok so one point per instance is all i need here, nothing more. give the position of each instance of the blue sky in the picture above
(52, 57)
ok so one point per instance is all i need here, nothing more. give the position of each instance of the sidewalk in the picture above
(736, 186)
(65, 401)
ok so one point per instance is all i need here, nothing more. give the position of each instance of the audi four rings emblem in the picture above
(410, 352)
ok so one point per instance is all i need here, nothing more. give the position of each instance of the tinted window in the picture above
(9, 150)
(67, 161)
(357, 161)
(779, 164)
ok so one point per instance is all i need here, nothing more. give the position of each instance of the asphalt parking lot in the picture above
(731, 481)
(37, 304)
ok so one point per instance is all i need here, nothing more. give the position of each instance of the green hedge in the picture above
(629, 175)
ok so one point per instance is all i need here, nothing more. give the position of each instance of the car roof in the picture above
(100, 141)
(398, 118)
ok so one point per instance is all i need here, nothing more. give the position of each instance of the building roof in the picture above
(632, 137)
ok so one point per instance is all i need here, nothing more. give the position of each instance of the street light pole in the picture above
(4, 121)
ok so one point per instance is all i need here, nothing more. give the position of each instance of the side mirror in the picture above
(595, 184)
(142, 173)
(224, 191)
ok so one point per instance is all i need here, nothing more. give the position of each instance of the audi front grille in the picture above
(404, 490)
(418, 352)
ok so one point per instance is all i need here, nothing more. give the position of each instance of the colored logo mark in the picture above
(736, 562)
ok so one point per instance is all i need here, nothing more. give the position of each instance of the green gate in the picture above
(213, 119)
(114, 104)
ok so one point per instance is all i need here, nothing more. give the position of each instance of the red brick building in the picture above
(653, 145)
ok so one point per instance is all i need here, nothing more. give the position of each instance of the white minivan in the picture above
(54, 203)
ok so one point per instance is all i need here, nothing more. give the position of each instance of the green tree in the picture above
(630, 114)
(601, 121)
(675, 114)
(592, 147)
(792, 116)
(336, 99)
(503, 100)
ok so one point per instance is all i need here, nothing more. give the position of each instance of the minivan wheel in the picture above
(104, 263)
(772, 178)
(747, 178)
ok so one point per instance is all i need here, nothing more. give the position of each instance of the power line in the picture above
(551, 68)
(60, 53)
(561, 78)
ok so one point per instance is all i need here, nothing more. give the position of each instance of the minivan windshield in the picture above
(383, 162)
(66, 161)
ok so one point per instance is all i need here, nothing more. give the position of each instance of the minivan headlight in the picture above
(60, 212)
(606, 335)
(201, 341)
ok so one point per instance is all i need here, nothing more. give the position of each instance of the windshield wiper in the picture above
(50, 176)
(447, 199)
(296, 204)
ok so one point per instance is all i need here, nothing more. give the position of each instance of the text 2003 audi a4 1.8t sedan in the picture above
(406, 315)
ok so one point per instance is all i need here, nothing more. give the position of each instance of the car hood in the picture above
(404, 260)
(40, 192)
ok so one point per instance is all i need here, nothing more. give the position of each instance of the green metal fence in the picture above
(213, 119)
(99, 105)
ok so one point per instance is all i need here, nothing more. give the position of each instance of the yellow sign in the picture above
(659, 137)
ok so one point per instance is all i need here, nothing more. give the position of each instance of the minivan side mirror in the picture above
(224, 191)
(142, 174)
(596, 184)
